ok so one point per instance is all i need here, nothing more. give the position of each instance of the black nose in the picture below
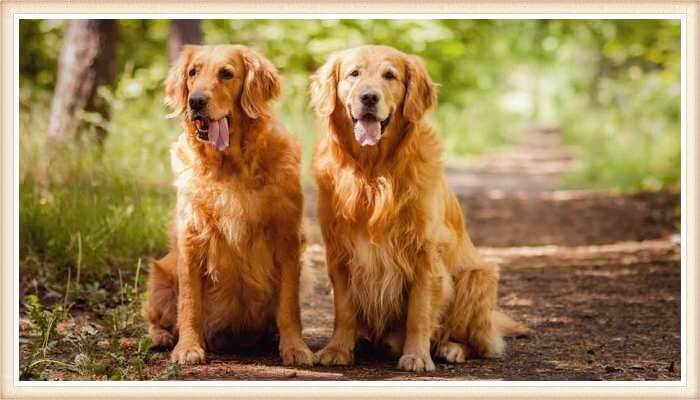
(369, 98)
(198, 101)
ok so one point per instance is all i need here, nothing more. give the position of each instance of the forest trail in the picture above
(595, 275)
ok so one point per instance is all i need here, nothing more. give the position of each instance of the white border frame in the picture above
(682, 381)
(379, 15)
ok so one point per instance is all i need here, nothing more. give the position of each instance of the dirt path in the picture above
(532, 166)
(596, 275)
(594, 320)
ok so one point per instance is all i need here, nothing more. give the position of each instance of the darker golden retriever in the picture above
(233, 273)
(403, 268)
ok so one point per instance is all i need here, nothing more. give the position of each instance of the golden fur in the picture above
(233, 273)
(403, 268)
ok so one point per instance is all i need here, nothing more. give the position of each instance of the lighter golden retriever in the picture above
(403, 268)
(233, 273)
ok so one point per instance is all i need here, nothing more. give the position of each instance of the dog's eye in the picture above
(355, 73)
(388, 75)
(193, 72)
(225, 74)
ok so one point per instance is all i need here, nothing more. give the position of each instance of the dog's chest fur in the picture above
(383, 244)
(228, 218)
(228, 207)
(380, 274)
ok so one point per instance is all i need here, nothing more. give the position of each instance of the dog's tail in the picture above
(474, 316)
(506, 326)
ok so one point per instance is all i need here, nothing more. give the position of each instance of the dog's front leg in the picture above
(341, 348)
(190, 345)
(416, 348)
(293, 349)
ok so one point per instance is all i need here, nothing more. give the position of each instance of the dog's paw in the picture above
(416, 363)
(188, 353)
(297, 355)
(453, 352)
(335, 355)
(161, 338)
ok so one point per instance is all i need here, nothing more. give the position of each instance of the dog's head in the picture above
(376, 89)
(217, 86)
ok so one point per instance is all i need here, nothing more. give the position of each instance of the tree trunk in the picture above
(87, 61)
(182, 32)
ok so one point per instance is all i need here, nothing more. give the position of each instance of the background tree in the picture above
(87, 61)
(182, 32)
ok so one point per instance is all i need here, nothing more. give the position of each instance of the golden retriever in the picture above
(403, 268)
(233, 273)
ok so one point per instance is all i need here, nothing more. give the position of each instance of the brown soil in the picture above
(569, 218)
(596, 320)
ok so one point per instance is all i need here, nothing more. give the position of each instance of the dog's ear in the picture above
(261, 84)
(323, 87)
(176, 92)
(421, 92)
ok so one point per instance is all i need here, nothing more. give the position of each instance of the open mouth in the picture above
(202, 125)
(368, 129)
(213, 131)
(373, 118)
(202, 122)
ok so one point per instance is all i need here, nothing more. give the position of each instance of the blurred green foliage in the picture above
(613, 86)
(588, 76)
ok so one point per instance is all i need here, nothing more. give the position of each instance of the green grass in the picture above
(97, 209)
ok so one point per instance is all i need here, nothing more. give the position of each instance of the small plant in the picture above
(113, 347)
(172, 372)
(43, 337)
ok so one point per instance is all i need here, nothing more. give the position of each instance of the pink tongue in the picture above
(218, 133)
(368, 132)
(213, 132)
